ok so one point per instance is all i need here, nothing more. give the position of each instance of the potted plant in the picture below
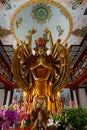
(72, 118)
(78, 118)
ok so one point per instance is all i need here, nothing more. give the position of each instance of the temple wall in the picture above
(82, 97)
(75, 98)
(8, 98)
(2, 93)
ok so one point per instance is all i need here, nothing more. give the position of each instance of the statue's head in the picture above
(41, 42)
(41, 46)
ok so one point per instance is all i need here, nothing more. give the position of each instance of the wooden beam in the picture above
(78, 81)
(7, 83)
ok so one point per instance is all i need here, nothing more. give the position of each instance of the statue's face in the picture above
(40, 51)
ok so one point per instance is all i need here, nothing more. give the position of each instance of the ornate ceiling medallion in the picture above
(41, 13)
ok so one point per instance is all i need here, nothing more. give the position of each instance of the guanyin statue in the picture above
(41, 75)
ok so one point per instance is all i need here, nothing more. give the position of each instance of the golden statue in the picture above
(41, 75)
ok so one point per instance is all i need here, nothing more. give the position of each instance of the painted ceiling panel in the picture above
(85, 43)
(75, 48)
(59, 26)
(82, 48)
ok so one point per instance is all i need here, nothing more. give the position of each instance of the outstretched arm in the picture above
(33, 31)
(50, 38)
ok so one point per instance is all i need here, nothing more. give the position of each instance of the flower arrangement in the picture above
(13, 117)
(1, 120)
(8, 117)
(73, 118)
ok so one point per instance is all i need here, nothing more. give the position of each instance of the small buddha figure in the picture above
(40, 123)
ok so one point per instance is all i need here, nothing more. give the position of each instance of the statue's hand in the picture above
(46, 30)
(33, 31)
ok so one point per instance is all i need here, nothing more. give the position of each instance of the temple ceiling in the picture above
(66, 19)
